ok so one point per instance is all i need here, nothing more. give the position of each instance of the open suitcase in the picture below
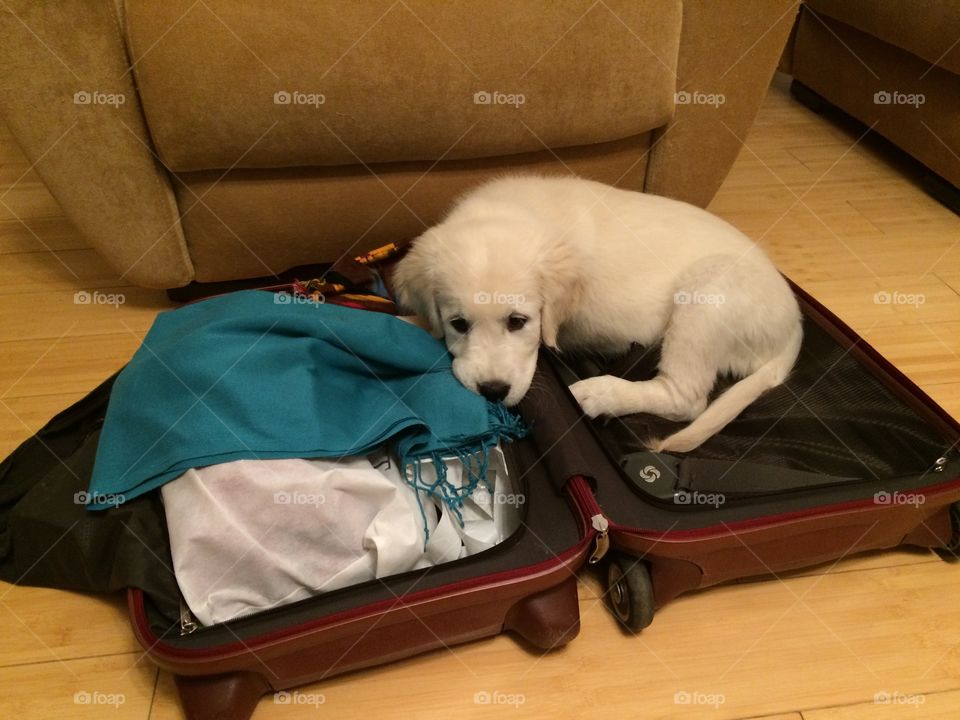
(848, 456)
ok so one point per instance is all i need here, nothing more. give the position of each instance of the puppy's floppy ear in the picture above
(561, 287)
(415, 282)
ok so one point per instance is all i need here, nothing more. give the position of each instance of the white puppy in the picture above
(581, 265)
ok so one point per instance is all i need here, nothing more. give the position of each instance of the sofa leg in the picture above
(549, 619)
(220, 697)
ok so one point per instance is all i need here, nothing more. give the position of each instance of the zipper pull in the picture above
(940, 464)
(187, 622)
(602, 541)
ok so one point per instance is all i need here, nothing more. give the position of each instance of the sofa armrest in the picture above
(728, 54)
(67, 94)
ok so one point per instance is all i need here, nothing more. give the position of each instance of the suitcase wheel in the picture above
(630, 592)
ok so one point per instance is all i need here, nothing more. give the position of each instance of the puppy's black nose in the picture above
(493, 390)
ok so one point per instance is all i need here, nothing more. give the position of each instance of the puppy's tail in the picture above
(732, 402)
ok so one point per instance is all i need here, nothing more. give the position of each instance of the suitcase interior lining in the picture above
(833, 417)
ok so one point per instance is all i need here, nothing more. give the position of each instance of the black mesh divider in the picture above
(832, 416)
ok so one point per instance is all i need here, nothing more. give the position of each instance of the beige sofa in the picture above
(893, 65)
(204, 141)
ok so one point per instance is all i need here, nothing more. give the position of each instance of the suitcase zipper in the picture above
(602, 541)
(583, 497)
(941, 462)
(188, 623)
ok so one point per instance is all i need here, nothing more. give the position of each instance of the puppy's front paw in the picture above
(603, 395)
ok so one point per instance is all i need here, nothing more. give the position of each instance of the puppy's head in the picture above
(492, 290)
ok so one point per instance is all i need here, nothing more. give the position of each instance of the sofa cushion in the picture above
(269, 83)
(927, 28)
(251, 223)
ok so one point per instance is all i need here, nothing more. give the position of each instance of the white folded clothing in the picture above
(250, 535)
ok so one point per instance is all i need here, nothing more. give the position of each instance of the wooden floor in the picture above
(820, 644)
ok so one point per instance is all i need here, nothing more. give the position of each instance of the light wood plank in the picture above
(946, 395)
(951, 278)
(40, 625)
(928, 353)
(67, 365)
(895, 301)
(899, 252)
(27, 200)
(30, 272)
(916, 212)
(21, 417)
(865, 561)
(116, 687)
(892, 704)
(84, 312)
(40, 235)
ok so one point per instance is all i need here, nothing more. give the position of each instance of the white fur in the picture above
(598, 268)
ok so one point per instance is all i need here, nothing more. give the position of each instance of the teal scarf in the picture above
(249, 376)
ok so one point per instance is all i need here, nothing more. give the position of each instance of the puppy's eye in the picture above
(516, 322)
(460, 325)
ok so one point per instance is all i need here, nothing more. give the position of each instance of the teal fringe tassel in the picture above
(475, 459)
